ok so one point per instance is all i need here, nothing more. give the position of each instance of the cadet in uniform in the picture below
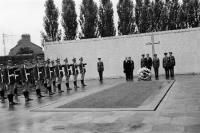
(10, 80)
(48, 77)
(53, 75)
(143, 61)
(82, 71)
(26, 69)
(172, 64)
(59, 74)
(156, 65)
(148, 62)
(75, 73)
(100, 69)
(67, 74)
(166, 65)
(38, 79)
(2, 88)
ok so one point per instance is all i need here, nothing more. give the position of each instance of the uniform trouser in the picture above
(126, 74)
(75, 80)
(82, 78)
(38, 92)
(45, 86)
(37, 87)
(10, 98)
(15, 90)
(59, 83)
(131, 75)
(75, 77)
(2, 93)
(26, 94)
(166, 73)
(67, 81)
(101, 75)
(171, 70)
(156, 70)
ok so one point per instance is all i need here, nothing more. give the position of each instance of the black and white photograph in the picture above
(100, 66)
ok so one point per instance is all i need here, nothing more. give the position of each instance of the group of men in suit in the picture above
(168, 64)
(40, 74)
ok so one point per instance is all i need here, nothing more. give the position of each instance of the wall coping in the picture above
(124, 36)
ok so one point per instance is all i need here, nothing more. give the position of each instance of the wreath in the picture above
(144, 74)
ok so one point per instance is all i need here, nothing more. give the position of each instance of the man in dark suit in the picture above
(130, 68)
(172, 63)
(166, 65)
(143, 61)
(148, 62)
(125, 68)
(156, 65)
(100, 69)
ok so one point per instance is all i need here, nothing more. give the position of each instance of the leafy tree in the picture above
(126, 19)
(88, 19)
(69, 21)
(173, 15)
(164, 17)
(106, 23)
(158, 8)
(138, 13)
(51, 22)
(182, 17)
(192, 13)
(145, 17)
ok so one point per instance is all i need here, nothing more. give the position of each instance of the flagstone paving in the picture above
(179, 112)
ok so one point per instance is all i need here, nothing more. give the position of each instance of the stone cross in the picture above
(152, 44)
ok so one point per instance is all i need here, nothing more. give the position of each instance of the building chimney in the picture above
(26, 37)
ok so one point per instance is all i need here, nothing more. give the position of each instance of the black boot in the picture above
(38, 92)
(50, 90)
(75, 86)
(67, 85)
(84, 83)
(10, 99)
(54, 86)
(59, 88)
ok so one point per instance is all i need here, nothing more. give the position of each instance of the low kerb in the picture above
(121, 96)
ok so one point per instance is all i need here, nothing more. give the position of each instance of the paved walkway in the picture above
(179, 112)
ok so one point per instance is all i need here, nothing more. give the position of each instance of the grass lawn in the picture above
(125, 95)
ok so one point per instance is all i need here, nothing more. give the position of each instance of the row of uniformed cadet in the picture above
(168, 64)
(41, 74)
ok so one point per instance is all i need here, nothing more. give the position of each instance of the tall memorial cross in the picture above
(152, 43)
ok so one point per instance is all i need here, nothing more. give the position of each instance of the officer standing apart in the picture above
(125, 68)
(82, 71)
(148, 62)
(75, 73)
(166, 65)
(100, 69)
(172, 64)
(156, 65)
(143, 61)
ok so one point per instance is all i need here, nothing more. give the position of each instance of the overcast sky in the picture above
(26, 16)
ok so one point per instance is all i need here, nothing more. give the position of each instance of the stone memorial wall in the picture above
(185, 45)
